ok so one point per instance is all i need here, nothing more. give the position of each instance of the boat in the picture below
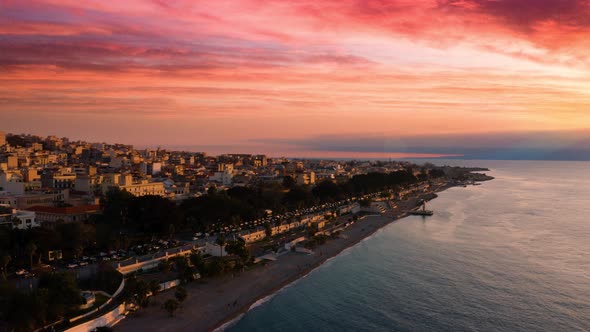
(422, 211)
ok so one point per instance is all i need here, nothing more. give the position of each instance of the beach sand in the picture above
(214, 302)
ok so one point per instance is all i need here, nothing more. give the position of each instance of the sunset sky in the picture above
(302, 77)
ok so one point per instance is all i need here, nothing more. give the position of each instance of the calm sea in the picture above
(510, 255)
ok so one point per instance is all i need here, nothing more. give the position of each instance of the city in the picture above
(294, 165)
(95, 214)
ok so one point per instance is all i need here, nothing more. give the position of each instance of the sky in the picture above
(309, 78)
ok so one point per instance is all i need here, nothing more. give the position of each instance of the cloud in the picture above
(527, 15)
(229, 31)
(299, 67)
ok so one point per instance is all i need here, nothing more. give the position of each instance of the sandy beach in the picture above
(213, 302)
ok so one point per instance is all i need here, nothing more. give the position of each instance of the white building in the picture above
(12, 183)
(145, 188)
(150, 168)
(176, 190)
(225, 177)
(18, 219)
(137, 188)
(214, 249)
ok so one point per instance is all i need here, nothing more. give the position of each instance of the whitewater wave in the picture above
(229, 324)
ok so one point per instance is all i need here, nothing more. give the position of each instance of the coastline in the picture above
(217, 304)
(231, 320)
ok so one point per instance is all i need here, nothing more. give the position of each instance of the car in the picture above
(83, 263)
(21, 272)
(72, 266)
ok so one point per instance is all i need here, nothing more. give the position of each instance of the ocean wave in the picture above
(229, 324)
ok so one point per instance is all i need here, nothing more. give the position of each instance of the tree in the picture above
(212, 190)
(171, 306)
(288, 182)
(74, 237)
(198, 261)
(136, 290)
(165, 266)
(180, 294)
(185, 272)
(78, 251)
(153, 214)
(215, 267)
(171, 230)
(60, 294)
(154, 287)
(268, 230)
(328, 191)
(238, 248)
(221, 242)
(115, 206)
(31, 249)
(5, 259)
(299, 197)
(436, 173)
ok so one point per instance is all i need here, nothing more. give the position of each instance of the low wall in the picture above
(169, 284)
(104, 320)
(146, 265)
(113, 317)
(119, 290)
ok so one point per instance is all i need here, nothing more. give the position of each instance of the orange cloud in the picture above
(237, 70)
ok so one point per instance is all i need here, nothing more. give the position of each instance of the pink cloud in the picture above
(288, 68)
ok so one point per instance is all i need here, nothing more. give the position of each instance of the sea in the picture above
(512, 254)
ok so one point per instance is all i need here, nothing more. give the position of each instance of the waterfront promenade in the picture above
(213, 302)
(218, 300)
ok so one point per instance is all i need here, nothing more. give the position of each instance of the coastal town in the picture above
(99, 236)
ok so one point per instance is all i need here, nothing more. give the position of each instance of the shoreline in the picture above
(209, 308)
(229, 321)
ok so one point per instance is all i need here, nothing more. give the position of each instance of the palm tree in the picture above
(31, 249)
(78, 251)
(5, 258)
(171, 306)
(221, 242)
(171, 230)
(155, 287)
(180, 294)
